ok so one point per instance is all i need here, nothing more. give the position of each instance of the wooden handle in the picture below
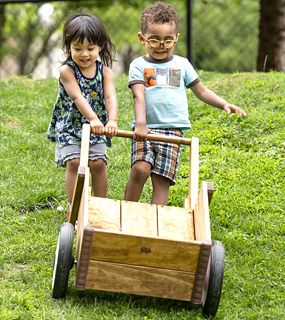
(155, 137)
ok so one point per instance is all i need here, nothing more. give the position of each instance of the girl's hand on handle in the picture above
(141, 132)
(231, 108)
(97, 127)
(111, 128)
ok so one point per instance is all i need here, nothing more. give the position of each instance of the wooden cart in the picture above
(139, 248)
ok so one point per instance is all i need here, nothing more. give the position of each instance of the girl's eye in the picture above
(91, 48)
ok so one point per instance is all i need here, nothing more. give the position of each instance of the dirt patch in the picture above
(13, 124)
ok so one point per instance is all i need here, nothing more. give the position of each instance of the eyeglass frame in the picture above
(161, 42)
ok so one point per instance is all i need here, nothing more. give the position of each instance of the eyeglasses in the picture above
(155, 43)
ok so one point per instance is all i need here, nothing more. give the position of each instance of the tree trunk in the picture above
(271, 51)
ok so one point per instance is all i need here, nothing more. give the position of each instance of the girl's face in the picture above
(165, 38)
(84, 54)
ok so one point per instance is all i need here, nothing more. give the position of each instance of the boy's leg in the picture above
(70, 177)
(160, 191)
(139, 173)
(98, 169)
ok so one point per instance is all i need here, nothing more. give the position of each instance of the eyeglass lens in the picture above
(166, 43)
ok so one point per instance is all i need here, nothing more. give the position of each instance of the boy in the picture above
(158, 81)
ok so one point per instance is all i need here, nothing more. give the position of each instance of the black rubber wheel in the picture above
(63, 260)
(215, 284)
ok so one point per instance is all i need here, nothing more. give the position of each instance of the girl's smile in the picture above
(84, 54)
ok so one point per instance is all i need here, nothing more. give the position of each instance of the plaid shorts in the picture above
(163, 156)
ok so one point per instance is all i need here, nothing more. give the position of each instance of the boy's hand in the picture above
(97, 127)
(141, 132)
(111, 128)
(231, 108)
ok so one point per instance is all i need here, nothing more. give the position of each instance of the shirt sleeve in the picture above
(191, 76)
(136, 74)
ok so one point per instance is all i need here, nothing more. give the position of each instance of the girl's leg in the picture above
(160, 185)
(139, 173)
(70, 177)
(98, 169)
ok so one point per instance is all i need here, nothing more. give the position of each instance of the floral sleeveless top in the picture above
(66, 120)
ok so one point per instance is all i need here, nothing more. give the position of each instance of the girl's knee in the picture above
(97, 165)
(73, 164)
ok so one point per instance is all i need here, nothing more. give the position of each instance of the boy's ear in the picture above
(140, 37)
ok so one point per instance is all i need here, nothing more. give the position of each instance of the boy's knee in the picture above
(141, 170)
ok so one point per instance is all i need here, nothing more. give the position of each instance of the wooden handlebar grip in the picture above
(155, 137)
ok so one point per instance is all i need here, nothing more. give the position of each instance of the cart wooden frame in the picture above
(139, 248)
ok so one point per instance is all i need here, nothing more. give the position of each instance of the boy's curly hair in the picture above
(160, 12)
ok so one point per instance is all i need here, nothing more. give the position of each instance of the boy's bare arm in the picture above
(211, 98)
(141, 129)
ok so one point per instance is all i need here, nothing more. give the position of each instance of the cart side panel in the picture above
(104, 213)
(139, 280)
(175, 223)
(201, 274)
(143, 251)
(202, 216)
(84, 257)
(139, 218)
(82, 219)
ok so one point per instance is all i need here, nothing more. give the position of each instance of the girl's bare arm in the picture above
(111, 102)
(70, 84)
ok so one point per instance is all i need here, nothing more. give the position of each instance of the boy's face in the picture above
(160, 40)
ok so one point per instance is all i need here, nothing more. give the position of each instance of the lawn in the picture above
(244, 157)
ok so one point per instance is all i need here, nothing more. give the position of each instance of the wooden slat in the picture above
(77, 194)
(113, 277)
(104, 213)
(138, 218)
(84, 150)
(201, 279)
(194, 172)
(143, 251)
(175, 223)
(83, 214)
(155, 137)
(202, 216)
(211, 190)
(84, 258)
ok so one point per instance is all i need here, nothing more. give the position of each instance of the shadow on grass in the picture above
(88, 297)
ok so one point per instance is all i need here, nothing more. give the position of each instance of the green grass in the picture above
(244, 157)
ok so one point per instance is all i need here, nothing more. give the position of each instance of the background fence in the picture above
(224, 34)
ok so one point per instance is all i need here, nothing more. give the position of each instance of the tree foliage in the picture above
(27, 36)
(225, 32)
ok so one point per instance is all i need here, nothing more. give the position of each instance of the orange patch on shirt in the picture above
(149, 77)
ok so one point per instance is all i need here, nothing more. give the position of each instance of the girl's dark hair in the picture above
(83, 25)
(160, 12)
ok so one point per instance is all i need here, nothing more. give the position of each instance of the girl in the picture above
(86, 93)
